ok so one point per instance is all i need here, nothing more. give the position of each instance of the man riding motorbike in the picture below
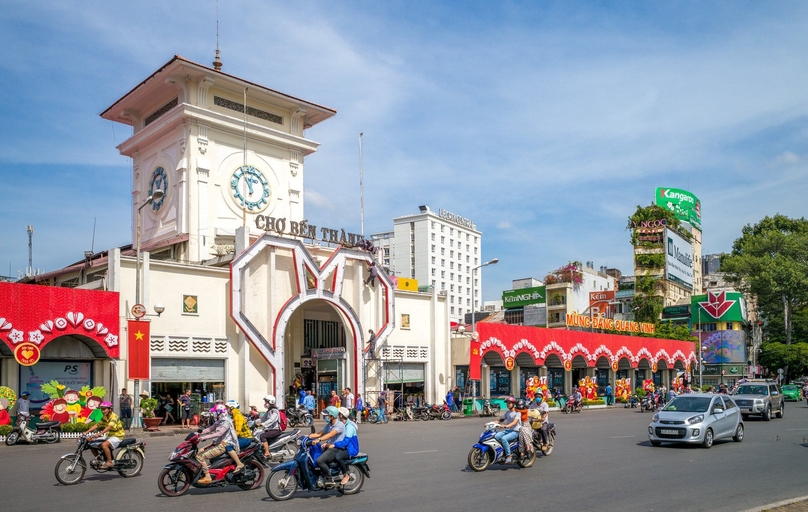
(512, 422)
(544, 416)
(575, 398)
(270, 420)
(226, 438)
(111, 427)
(334, 430)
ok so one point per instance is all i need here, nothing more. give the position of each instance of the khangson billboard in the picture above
(523, 297)
(678, 259)
(684, 204)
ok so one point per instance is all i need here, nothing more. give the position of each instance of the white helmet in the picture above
(270, 399)
(232, 403)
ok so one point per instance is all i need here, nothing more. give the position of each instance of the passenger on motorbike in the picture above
(525, 431)
(270, 420)
(226, 438)
(575, 397)
(334, 430)
(512, 422)
(348, 448)
(544, 416)
(240, 423)
(111, 427)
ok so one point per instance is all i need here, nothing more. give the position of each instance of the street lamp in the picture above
(474, 310)
(156, 195)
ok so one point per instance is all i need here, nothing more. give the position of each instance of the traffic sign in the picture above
(138, 310)
(780, 371)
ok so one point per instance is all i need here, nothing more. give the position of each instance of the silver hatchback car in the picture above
(696, 418)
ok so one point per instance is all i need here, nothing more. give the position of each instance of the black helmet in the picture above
(520, 404)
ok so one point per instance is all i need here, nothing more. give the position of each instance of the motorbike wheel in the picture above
(424, 415)
(257, 478)
(550, 445)
(373, 417)
(355, 483)
(134, 471)
(478, 459)
(281, 485)
(526, 462)
(446, 415)
(12, 438)
(63, 472)
(54, 438)
(174, 481)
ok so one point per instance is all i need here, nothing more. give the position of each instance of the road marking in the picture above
(791, 429)
(423, 451)
(621, 437)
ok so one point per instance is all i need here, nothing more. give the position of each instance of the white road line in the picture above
(621, 437)
(792, 429)
(423, 451)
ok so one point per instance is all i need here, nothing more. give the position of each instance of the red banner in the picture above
(139, 360)
(40, 314)
(474, 359)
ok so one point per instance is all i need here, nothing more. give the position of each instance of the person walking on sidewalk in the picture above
(609, 397)
(125, 401)
(359, 408)
(382, 403)
(185, 408)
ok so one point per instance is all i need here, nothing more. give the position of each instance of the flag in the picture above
(474, 359)
(138, 342)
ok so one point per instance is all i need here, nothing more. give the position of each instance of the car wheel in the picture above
(767, 415)
(708, 438)
(738, 437)
(656, 443)
(782, 410)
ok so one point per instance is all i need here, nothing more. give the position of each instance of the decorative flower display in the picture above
(15, 336)
(35, 337)
(8, 394)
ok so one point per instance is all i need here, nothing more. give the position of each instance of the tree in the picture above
(770, 262)
(775, 355)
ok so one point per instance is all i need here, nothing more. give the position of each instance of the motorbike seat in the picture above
(127, 441)
(47, 424)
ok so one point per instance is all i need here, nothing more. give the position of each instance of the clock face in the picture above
(159, 181)
(250, 188)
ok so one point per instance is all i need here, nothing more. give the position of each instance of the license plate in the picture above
(669, 432)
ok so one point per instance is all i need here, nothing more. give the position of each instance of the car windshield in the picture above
(689, 404)
(749, 389)
(790, 388)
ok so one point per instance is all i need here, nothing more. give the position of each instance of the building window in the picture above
(443, 240)
(443, 274)
(433, 237)
(451, 289)
(451, 265)
(433, 247)
(475, 252)
(467, 257)
(442, 262)
(441, 228)
(433, 283)
(460, 267)
(442, 251)
(452, 308)
(451, 243)
(433, 260)
(467, 246)
(451, 254)
(433, 271)
(442, 285)
(459, 289)
(451, 231)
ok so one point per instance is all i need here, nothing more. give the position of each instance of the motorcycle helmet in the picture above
(344, 411)
(105, 405)
(220, 410)
(232, 404)
(270, 399)
(520, 404)
(332, 411)
(538, 397)
(510, 400)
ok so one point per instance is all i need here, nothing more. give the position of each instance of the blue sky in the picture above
(546, 123)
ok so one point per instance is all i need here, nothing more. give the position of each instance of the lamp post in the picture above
(156, 195)
(473, 311)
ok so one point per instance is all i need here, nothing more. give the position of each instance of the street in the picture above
(602, 461)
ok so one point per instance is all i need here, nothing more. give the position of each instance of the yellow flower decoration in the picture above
(60, 386)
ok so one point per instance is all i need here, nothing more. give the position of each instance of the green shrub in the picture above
(640, 392)
(77, 427)
(5, 430)
(597, 401)
(620, 400)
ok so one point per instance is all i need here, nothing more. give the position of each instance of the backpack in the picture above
(282, 421)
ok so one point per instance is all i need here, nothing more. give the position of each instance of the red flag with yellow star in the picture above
(138, 341)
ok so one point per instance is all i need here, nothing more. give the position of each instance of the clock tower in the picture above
(189, 136)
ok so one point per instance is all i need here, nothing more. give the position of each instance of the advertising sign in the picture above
(682, 311)
(684, 204)
(599, 302)
(721, 347)
(678, 259)
(717, 306)
(71, 374)
(406, 283)
(524, 297)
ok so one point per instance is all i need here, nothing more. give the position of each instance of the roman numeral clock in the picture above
(250, 188)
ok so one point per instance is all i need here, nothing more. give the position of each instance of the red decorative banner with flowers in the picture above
(510, 340)
(39, 314)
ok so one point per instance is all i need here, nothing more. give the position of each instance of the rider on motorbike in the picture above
(240, 423)
(349, 446)
(112, 427)
(544, 416)
(270, 420)
(512, 422)
(575, 398)
(335, 430)
(226, 441)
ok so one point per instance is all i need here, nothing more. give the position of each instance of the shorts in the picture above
(114, 442)
(126, 412)
(244, 442)
(186, 413)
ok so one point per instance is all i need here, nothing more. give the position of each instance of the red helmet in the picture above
(510, 400)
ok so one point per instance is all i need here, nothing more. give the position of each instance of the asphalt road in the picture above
(602, 461)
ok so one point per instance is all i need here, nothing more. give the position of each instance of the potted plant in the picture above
(147, 408)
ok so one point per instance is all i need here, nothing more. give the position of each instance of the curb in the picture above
(774, 506)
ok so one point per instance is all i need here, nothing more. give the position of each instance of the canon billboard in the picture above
(678, 259)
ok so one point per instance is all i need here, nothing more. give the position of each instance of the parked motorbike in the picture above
(490, 409)
(284, 479)
(487, 450)
(184, 471)
(47, 431)
(440, 412)
(570, 408)
(127, 459)
(298, 415)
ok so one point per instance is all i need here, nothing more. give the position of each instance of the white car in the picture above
(697, 418)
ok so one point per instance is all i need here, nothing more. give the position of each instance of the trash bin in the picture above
(468, 405)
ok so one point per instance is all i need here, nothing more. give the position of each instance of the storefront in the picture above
(204, 377)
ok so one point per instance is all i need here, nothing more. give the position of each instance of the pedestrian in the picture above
(309, 403)
(348, 403)
(334, 399)
(185, 409)
(168, 407)
(450, 400)
(609, 397)
(24, 405)
(125, 401)
(457, 398)
(359, 408)
(382, 404)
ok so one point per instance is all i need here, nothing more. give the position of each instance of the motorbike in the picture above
(127, 459)
(298, 415)
(184, 471)
(490, 409)
(569, 408)
(440, 411)
(47, 431)
(284, 479)
(632, 402)
(535, 423)
(487, 450)
(648, 403)
(420, 413)
(281, 449)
